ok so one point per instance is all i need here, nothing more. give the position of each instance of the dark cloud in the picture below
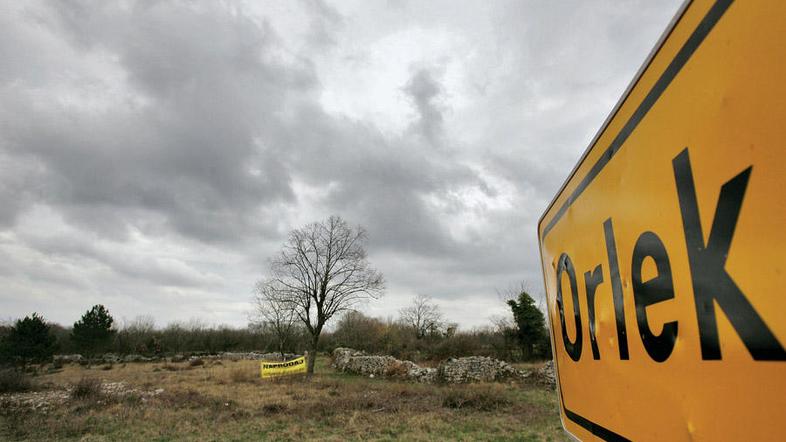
(152, 154)
(425, 91)
(188, 138)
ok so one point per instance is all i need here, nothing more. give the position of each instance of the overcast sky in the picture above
(154, 154)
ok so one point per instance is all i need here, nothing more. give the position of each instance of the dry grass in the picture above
(485, 398)
(87, 388)
(243, 375)
(13, 381)
(229, 401)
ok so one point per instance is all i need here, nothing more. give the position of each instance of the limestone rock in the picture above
(254, 356)
(133, 358)
(67, 358)
(475, 369)
(110, 358)
(546, 375)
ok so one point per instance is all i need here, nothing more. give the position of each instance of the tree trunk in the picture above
(312, 354)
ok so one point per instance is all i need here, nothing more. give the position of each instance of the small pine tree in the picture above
(530, 324)
(30, 340)
(93, 333)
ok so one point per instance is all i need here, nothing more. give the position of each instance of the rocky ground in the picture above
(46, 400)
(112, 358)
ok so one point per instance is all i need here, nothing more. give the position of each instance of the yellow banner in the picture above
(273, 369)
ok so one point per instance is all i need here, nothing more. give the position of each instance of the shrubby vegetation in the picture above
(420, 333)
(396, 338)
(522, 336)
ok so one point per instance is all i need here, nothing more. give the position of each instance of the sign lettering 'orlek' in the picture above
(664, 254)
(273, 369)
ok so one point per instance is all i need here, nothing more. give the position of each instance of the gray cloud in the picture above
(152, 154)
(159, 270)
(186, 137)
(424, 91)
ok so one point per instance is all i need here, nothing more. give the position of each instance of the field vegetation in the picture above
(226, 400)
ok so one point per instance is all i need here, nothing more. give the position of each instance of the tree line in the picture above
(318, 278)
(32, 339)
(418, 333)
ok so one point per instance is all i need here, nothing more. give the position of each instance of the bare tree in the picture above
(142, 324)
(506, 330)
(512, 291)
(138, 335)
(274, 313)
(322, 270)
(423, 316)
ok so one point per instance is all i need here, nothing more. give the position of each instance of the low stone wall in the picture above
(342, 356)
(546, 375)
(67, 358)
(477, 369)
(450, 371)
(253, 356)
(111, 358)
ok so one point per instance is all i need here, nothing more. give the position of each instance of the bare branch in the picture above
(423, 315)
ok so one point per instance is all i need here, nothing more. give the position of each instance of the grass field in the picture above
(227, 401)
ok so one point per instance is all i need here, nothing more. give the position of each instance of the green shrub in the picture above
(29, 340)
(93, 333)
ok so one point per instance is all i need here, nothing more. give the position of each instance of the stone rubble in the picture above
(44, 401)
(111, 358)
(424, 375)
(41, 401)
(476, 369)
(68, 358)
(450, 371)
(254, 356)
(342, 356)
(546, 375)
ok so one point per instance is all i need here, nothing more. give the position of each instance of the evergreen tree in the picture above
(29, 340)
(93, 333)
(531, 330)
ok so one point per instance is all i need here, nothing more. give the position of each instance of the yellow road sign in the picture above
(273, 369)
(664, 253)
